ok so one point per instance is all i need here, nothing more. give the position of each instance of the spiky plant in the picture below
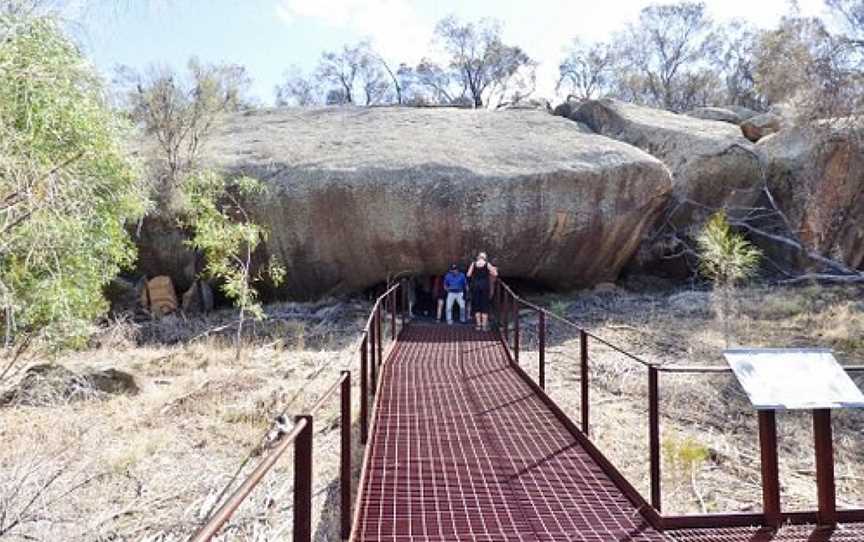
(727, 259)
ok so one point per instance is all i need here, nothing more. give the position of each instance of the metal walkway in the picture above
(464, 449)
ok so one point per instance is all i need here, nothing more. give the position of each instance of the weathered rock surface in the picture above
(755, 128)
(720, 114)
(743, 113)
(50, 384)
(567, 108)
(357, 195)
(817, 178)
(712, 166)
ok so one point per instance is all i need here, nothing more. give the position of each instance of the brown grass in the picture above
(706, 417)
(149, 467)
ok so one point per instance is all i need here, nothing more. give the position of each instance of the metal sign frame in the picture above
(793, 379)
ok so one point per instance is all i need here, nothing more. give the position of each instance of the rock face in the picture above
(357, 195)
(755, 128)
(817, 178)
(712, 165)
(720, 114)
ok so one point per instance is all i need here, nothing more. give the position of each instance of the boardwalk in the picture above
(464, 449)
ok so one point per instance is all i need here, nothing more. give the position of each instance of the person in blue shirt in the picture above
(455, 284)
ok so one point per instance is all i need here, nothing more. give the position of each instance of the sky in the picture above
(269, 36)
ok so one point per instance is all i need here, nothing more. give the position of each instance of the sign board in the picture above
(793, 379)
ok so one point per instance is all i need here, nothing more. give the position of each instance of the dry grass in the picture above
(150, 466)
(709, 432)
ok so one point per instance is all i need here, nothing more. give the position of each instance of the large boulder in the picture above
(712, 165)
(359, 195)
(816, 175)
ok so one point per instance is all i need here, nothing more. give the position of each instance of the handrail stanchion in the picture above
(373, 354)
(541, 349)
(516, 330)
(393, 315)
(379, 358)
(583, 351)
(505, 309)
(654, 435)
(303, 482)
(345, 456)
(364, 390)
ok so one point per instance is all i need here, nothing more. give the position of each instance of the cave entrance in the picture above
(426, 292)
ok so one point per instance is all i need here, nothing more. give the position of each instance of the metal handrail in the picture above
(224, 513)
(772, 514)
(661, 367)
(327, 394)
(300, 435)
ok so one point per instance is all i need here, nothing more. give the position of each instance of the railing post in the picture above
(364, 390)
(541, 349)
(583, 355)
(373, 354)
(825, 467)
(393, 315)
(404, 295)
(654, 435)
(505, 308)
(303, 482)
(379, 359)
(516, 330)
(770, 471)
(345, 456)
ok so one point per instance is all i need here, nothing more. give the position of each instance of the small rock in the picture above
(757, 127)
(50, 384)
(606, 288)
(198, 298)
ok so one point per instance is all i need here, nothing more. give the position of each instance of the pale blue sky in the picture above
(267, 36)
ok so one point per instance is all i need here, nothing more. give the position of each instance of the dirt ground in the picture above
(150, 466)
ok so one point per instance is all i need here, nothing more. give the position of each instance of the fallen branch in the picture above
(825, 277)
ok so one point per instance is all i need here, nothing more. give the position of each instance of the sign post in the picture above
(795, 379)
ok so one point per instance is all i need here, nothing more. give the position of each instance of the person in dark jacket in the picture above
(481, 273)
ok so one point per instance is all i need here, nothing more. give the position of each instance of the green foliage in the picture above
(67, 187)
(684, 456)
(227, 236)
(559, 308)
(725, 256)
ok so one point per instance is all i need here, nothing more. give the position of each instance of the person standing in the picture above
(454, 285)
(481, 274)
(439, 294)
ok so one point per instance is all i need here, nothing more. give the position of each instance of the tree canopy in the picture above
(67, 187)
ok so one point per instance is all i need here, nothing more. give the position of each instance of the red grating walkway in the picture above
(463, 449)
